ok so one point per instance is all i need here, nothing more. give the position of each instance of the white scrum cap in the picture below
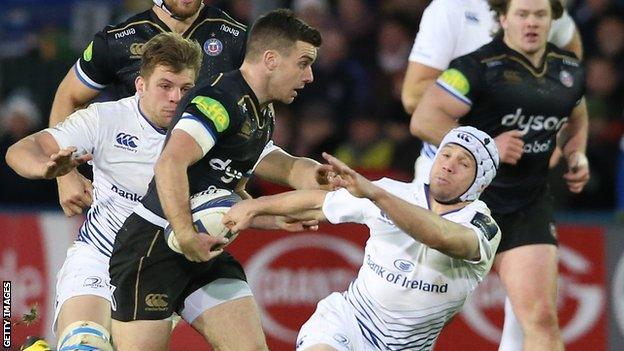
(483, 149)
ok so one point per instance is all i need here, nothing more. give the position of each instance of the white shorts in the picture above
(422, 168)
(85, 272)
(334, 324)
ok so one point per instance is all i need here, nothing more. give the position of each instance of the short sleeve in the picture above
(206, 119)
(342, 207)
(436, 39)
(93, 68)
(562, 30)
(79, 130)
(488, 234)
(463, 79)
(268, 148)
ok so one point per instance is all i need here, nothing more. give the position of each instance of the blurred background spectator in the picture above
(353, 107)
(20, 117)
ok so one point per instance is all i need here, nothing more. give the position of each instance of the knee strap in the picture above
(84, 336)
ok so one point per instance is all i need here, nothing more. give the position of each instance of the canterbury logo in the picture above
(136, 49)
(156, 300)
(127, 140)
(464, 137)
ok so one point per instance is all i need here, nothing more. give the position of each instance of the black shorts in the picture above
(150, 280)
(533, 224)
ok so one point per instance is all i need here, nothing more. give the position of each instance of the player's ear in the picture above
(502, 19)
(139, 84)
(270, 59)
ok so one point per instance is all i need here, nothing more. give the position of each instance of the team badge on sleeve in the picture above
(485, 224)
(455, 79)
(213, 109)
(88, 53)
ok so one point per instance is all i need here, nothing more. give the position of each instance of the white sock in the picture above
(512, 338)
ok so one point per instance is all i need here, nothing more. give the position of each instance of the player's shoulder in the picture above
(486, 56)
(478, 215)
(389, 183)
(490, 51)
(220, 87)
(216, 14)
(456, 7)
(395, 187)
(138, 20)
(565, 57)
(115, 112)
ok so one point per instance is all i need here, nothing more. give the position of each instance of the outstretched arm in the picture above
(448, 237)
(302, 205)
(38, 156)
(297, 172)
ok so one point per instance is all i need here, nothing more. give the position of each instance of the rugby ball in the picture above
(208, 208)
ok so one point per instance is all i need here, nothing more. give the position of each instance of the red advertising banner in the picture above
(289, 273)
(23, 263)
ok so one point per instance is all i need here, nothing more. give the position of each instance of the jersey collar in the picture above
(511, 52)
(200, 18)
(247, 88)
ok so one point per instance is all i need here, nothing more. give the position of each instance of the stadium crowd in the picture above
(353, 109)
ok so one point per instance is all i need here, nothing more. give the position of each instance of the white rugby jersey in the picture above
(405, 291)
(454, 28)
(125, 147)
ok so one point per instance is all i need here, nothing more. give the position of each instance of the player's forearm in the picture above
(303, 174)
(573, 136)
(423, 127)
(450, 238)
(26, 158)
(299, 204)
(29, 156)
(173, 190)
(412, 93)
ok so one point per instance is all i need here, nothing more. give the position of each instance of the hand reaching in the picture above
(63, 162)
(295, 225)
(324, 174)
(349, 179)
(240, 216)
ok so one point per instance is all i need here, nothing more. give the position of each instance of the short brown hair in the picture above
(279, 30)
(502, 6)
(170, 50)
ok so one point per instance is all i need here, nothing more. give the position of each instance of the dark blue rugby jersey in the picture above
(114, 56)
(506, 92)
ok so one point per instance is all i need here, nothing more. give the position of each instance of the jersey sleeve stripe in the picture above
(82, 76)
(150, 216)
(199, 130)
(454, 92)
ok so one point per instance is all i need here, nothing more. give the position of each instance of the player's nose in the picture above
(308, 76)
(175, 95)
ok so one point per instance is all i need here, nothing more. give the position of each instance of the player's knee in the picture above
(542, 318)
(84, 336)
